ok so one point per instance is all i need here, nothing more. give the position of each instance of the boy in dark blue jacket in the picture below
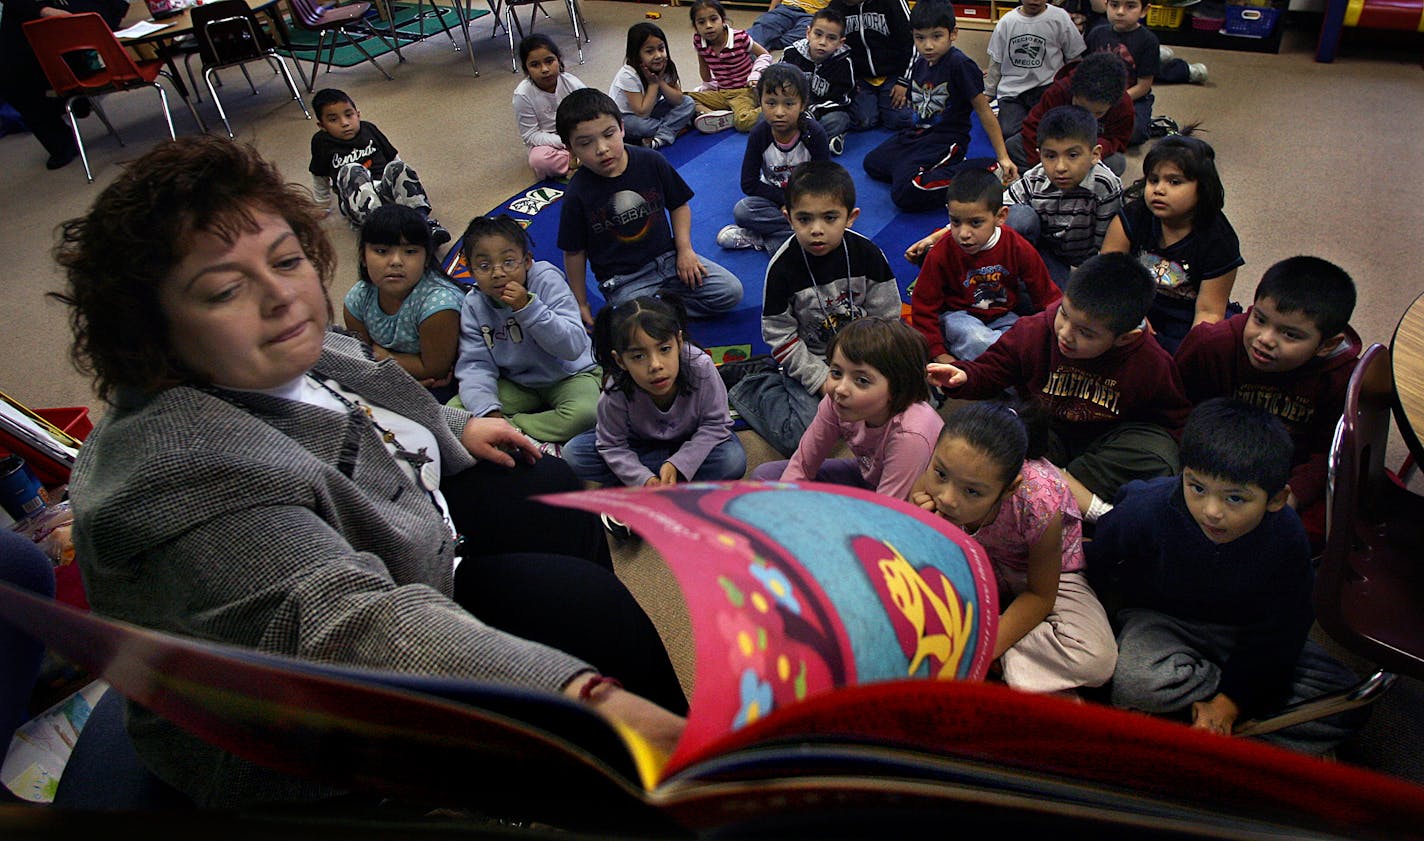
(1214, 575)
(942, 87)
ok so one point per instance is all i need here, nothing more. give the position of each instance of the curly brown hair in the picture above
(118, 256)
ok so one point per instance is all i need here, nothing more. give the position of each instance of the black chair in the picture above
(229, 35)
(347, 21)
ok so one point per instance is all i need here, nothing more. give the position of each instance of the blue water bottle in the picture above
(21, 493)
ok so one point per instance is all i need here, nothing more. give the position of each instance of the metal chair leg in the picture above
(248, 77)
(79, 138)
(1365, 692)
(104, 118)
(208, 79)
(363, 51)
(292, 85)
(167, 115)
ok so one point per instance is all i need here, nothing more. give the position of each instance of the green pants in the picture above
(553, 413)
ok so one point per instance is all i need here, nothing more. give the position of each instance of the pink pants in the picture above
(549, 161)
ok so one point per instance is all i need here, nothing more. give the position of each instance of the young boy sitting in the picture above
(1065, 203)
(626, 213)
(1028, 47)
(944, 86)
(825, 59)
(878, 34)
(1125, 36)
(1291, 354)
(1112, 392)
(367, 172)
(967, 293)
(1213, 572)
(818, 281)
(783, 139)
(1098, 83)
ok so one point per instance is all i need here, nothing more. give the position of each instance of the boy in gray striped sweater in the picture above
(1064, 204)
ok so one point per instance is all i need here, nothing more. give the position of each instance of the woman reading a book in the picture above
(259, 481)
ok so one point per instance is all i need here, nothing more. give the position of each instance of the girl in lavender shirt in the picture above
(876, 401)
(988, 477)
(662, 417)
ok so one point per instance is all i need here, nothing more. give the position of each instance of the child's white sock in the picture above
(1096, 509)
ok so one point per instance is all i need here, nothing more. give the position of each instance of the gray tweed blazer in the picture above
(287, 528)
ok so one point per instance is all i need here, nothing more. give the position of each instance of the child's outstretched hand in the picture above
(916, 253)
(944, 375)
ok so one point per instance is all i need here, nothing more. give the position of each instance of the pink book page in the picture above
(795, 589)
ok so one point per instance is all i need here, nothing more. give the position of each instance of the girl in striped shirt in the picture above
(731, 63)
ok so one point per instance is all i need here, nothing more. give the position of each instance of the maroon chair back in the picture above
(1368, 595)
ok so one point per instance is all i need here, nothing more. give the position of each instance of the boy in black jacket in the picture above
(1213, 570)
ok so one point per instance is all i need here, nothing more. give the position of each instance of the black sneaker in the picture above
(616, 527)
(438, 234)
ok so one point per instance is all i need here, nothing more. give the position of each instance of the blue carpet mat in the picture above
(711, 165)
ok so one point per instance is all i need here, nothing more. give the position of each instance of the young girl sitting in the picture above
(403, 306)
(524, 354)
(647, 90)
(662, 418)
(877, 401)
(536, 101)
(730, 63)
(775, 146)
(989, 478)
(1175, 225)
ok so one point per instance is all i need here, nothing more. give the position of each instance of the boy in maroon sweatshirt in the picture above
(969, 290)
(1112, 392)
(1097, 82)
(1291, 354)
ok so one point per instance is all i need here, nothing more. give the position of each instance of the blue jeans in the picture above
(726, 461)
(1024, 220)
(836, 123)
(871, 107)
(965, 337)
(780, 27)
(777, 406)
(720, 290)
(764, 217)
(663, 122)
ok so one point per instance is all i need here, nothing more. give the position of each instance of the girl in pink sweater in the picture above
(877, 402)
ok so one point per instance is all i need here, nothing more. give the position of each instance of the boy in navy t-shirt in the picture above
(626, 214)
(944, 86)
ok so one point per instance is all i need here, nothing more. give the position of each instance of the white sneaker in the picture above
(616, 527)
(735, 237)
(1196, 74)
(1166, 53)
(838, 144)
(713, 121)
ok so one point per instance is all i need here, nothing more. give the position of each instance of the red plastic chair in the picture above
(53, 38)
(1369, 591)
(338, 20)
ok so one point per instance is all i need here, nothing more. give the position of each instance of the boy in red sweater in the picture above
(1112, 393)
(1291, 354)
(1098, 82)
(968, 292)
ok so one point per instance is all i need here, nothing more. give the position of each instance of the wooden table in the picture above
(1407, 354)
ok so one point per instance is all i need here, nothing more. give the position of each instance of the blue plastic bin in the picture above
(1250, 21)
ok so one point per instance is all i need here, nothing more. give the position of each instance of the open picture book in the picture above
(841, 639)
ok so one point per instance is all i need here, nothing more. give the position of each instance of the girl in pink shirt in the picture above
(988, 477)
(877, 402)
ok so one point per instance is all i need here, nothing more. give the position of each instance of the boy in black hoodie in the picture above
(881, 47)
